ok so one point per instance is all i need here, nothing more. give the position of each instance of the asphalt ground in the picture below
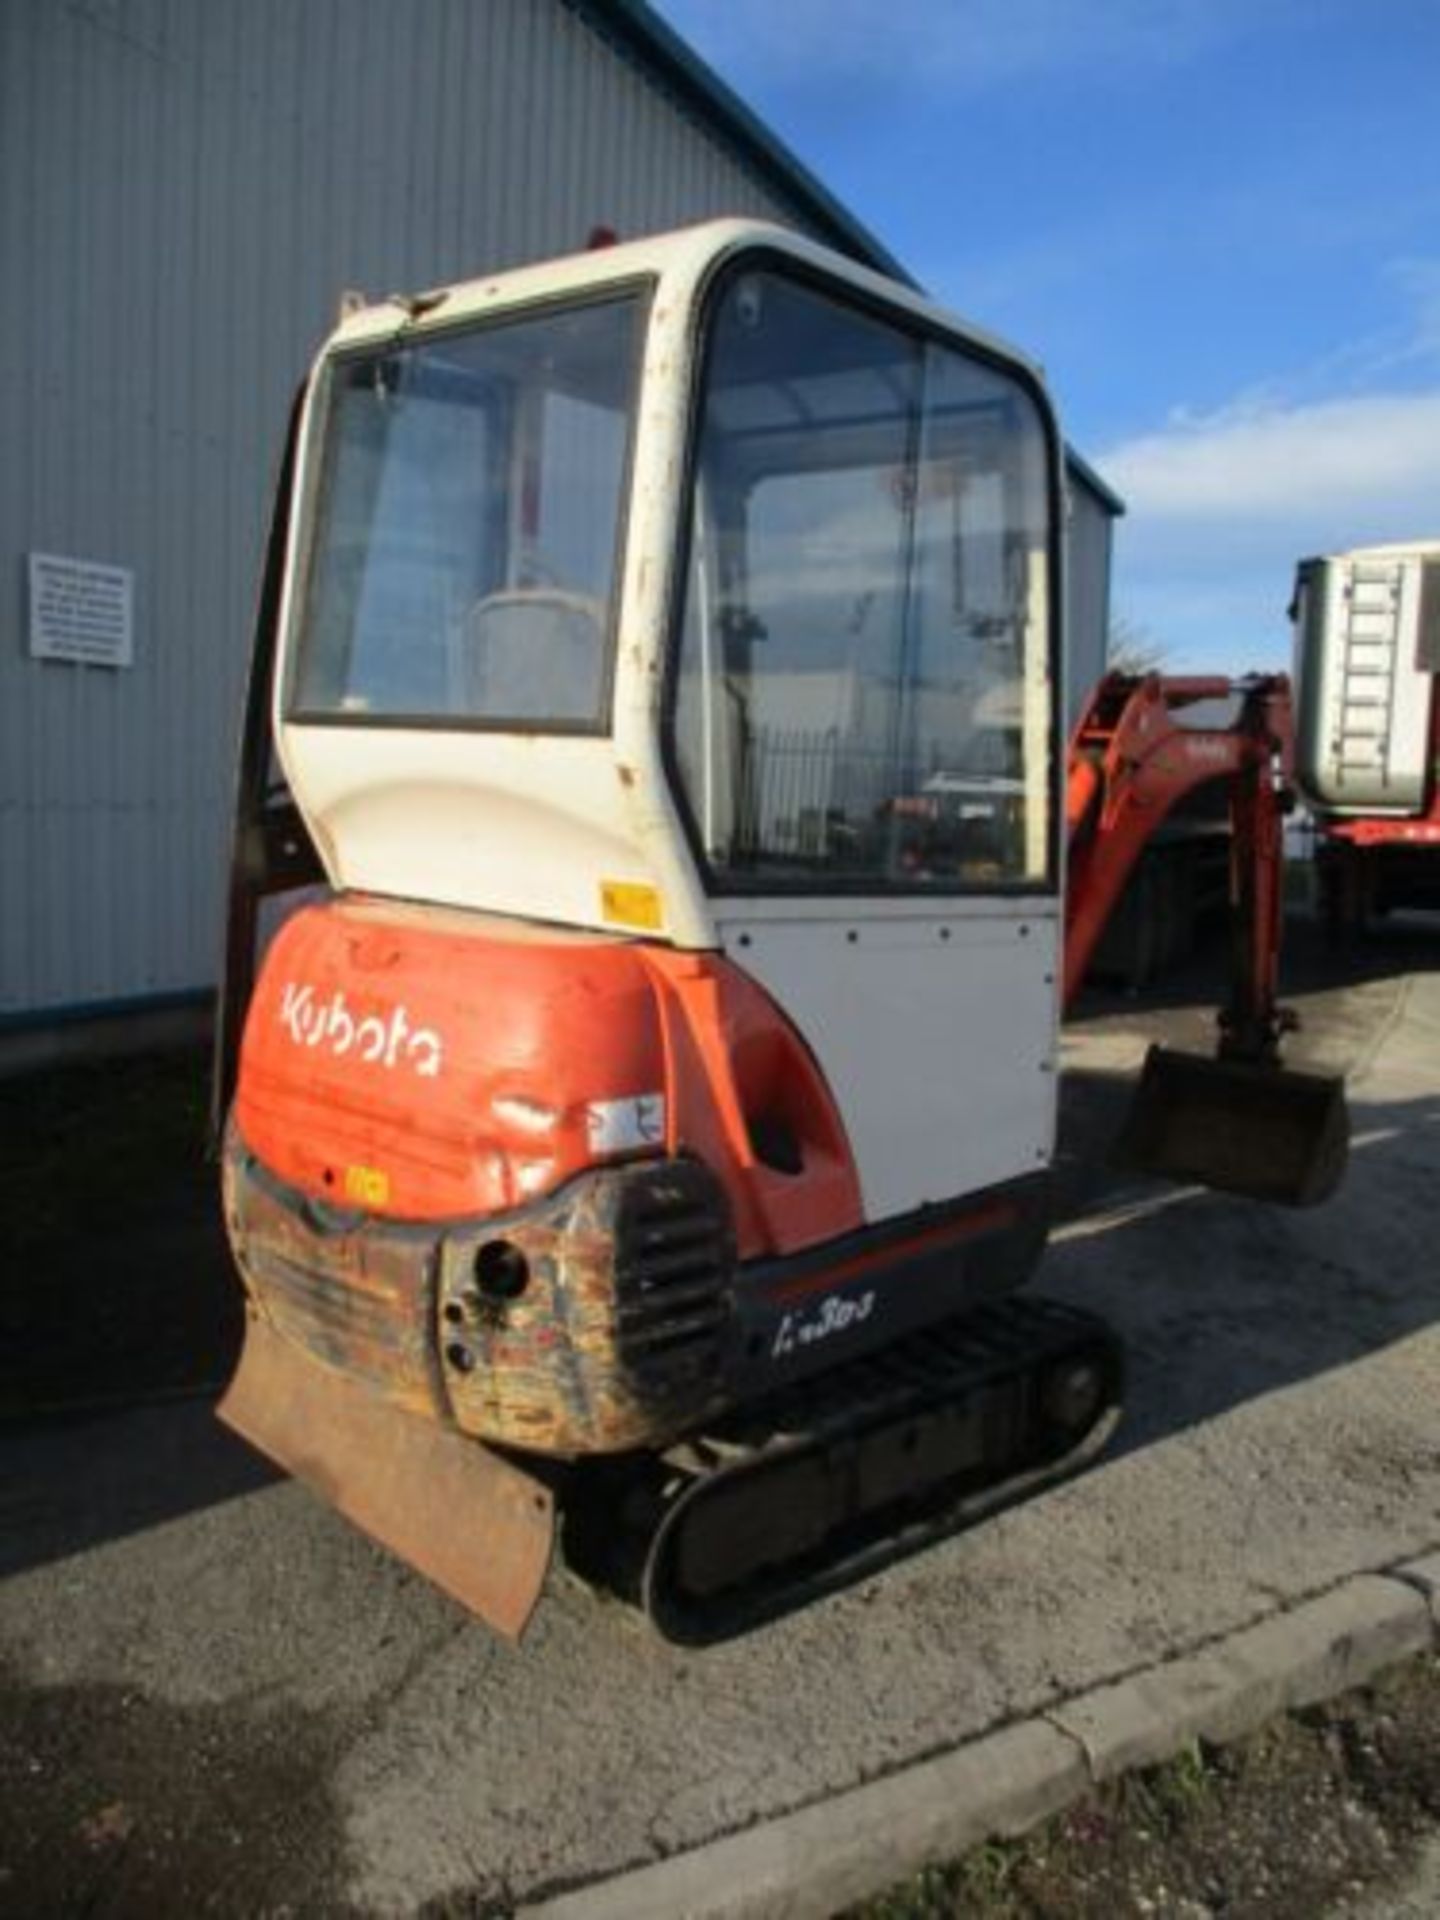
(217, 1697)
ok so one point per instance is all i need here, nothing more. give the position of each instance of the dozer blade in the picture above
(1264, 1132)
(477, 1526)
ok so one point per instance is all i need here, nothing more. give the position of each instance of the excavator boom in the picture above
(1238, 1122)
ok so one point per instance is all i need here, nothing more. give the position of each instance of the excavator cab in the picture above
(639, 1130)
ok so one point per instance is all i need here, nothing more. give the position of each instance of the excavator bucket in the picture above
(477, 1526)
(1262, 1131)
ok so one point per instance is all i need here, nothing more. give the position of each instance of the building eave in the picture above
(1081, 469)
(670, 62)
(637, 30)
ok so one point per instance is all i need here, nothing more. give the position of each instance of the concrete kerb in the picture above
(806, 1864)
(1226, 1690)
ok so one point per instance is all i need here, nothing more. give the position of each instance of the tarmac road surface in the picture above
(218, 1697)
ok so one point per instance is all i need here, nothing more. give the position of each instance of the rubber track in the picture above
(947, 1364)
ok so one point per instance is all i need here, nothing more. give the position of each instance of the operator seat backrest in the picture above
(534, 653)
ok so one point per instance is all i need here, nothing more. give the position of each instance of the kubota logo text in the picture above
(386, 1041)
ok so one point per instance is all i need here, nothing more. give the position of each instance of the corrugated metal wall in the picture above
(1087, 593)
(185, 188)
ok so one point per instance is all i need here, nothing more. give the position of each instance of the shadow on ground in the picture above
(1311, 963)
(120, 1804)
(117, 1285)
(1231, 1301)
(118, 1298)
(74, 1483)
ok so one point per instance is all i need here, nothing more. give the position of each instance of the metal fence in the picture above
(801, 790)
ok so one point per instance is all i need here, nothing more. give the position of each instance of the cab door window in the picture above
(862, 688)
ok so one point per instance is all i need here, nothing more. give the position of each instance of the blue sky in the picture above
(1215, 222)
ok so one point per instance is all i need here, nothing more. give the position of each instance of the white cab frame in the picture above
(934, 1019)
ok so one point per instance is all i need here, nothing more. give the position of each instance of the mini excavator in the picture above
(637, 1136)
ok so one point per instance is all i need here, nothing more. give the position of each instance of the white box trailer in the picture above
(1367, 734)
(1367, 653)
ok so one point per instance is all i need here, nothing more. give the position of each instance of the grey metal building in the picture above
(186, 188)
(1094, 509)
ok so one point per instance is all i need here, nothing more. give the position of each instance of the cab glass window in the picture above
(467, 519)
(862, 690)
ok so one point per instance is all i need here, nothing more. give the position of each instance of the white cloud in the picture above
(1222, 509)
(1419, 283)
(1358, 456)
(1223, 504)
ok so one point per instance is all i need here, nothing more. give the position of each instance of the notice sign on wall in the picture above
(81, 610)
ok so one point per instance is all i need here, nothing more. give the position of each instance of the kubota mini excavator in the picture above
(645, 1135)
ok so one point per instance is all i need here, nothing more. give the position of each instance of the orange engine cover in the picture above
(424, 1064)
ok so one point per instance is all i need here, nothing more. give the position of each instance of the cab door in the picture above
(864, 716)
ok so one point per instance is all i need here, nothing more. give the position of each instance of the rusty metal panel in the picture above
(479, 1527)
(615, 1338)
(359, 1300)
(602, 1330)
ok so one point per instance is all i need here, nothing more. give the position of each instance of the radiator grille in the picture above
(673, 1262)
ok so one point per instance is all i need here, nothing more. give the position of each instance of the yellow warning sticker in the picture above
(368, 1185)
(631, 903)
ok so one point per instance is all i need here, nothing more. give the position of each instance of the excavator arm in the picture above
(1238, 1121)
